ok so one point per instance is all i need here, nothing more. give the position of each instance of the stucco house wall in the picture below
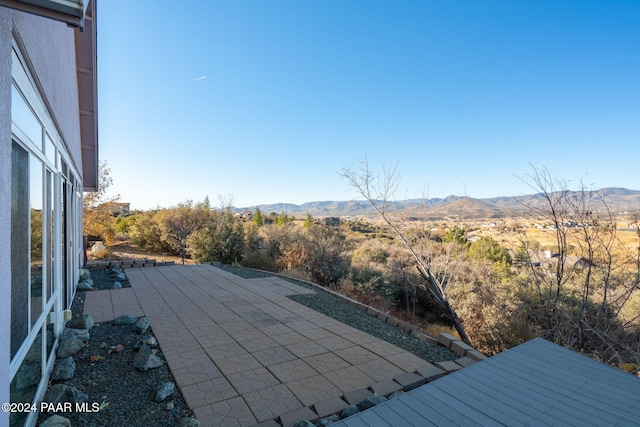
(50, 47)
(5, 203)
(48, 50)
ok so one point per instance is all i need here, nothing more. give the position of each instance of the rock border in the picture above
(128, 263)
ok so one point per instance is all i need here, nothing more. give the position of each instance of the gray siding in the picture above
(537, 383)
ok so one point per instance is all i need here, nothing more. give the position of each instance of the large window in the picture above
(20, 251)
(45, 239)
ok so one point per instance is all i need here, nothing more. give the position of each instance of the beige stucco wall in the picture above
(50, 48)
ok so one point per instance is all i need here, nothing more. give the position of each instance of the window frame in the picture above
(50, 152)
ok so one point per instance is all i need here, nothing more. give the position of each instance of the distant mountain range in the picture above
(618, 200)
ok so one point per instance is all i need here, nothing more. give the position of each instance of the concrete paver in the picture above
(313, 389)
(271, 402)
(242, 353)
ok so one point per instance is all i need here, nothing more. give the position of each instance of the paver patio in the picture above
(240, 351)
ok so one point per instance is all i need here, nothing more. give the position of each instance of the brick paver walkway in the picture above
(242, 353)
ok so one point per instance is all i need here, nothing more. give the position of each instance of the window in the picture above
(20, 253)
(45, 238)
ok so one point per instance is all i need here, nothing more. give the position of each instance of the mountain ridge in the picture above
(617, 198)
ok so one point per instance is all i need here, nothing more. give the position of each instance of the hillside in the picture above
(618, 199)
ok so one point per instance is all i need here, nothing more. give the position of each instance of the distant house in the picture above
(248, 215)
(549, 260)
(119, 208)
(332, 221)
(48, 157)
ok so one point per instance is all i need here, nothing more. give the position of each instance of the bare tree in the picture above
(584, 286)
(378, 192)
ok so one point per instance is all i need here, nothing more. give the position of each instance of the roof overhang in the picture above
(72, 12)
(86, 68)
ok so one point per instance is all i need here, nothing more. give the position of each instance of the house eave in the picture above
(86, 68)
(71, 12)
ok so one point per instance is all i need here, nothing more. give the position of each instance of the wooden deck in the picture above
(536, 384)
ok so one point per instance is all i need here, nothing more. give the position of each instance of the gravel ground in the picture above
(339, 309)
(126, 395)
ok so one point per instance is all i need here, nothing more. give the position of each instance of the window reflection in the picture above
(50, 234)
(35, 202)
(24, 118)
(20, 257)
(25, 383)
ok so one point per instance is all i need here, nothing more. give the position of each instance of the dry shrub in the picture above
(260, 260)
(296, 274)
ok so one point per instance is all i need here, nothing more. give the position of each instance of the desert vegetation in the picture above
(565, 272)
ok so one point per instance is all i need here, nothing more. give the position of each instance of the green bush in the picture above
(221, 240)
(145, 232)
(124, 223)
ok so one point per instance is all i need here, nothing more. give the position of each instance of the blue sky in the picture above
(267, 100)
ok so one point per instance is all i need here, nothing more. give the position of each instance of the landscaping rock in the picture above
(142, 325)
(64, 369)
(164, 390)
(143, 340)
(151, 342)
(72, 341)
(125, 320)
(60, 393)
(84, 274)
(120, 276)
(84, 322)
(86, 285)
(303, 423)
(187, 422)
(322, 422)
(56, 421)
(349, 410)
(370, 402)
(170, 406)
(117, 285)
(145, 359)
(27, 376)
